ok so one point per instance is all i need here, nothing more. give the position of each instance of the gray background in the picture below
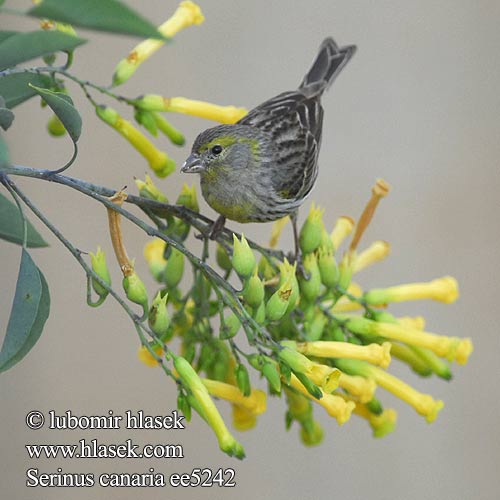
(419, 106)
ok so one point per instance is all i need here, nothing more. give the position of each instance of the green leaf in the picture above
(62, 105)
(15, 90)
(4, 158)
(25, 46)
(11, 226)
(5, 34)
(6, 115)
(101, 15)
(29, 312)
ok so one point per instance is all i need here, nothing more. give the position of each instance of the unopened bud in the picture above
(230, 327)
(158, 318)
(312, 230)
(135, 290)
(222, 258)
(328, 268)
(243, 380)
(243, 257)
(174, 268)
(100, 267)
(310, 287)
(254, 291)
(55, 127)
(279, 301)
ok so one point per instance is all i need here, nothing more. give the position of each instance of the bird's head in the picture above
(223, 148)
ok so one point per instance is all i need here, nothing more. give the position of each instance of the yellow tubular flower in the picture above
(343, 228)
(158, 161)
(324, 376)
(334, 405)
(192, 381)
(221, 114)
(373, 353)
(277, 229)
(146, 357)
(424, 404)
(451, 348)
(255, 403)
(360, 387)
(416, 322)
(243, 420)
(376, 252)
(442, 290)
(187, 14)
(153, 254)
(382, 424)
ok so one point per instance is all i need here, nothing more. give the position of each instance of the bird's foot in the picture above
(214, 231)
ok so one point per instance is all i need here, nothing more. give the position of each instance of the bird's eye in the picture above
(216, 150)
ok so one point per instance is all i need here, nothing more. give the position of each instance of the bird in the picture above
(263, 167)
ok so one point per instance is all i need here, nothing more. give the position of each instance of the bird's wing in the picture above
(294, 122)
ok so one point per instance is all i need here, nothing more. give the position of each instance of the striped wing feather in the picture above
(294, 122)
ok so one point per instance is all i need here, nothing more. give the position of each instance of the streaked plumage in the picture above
(263, 167)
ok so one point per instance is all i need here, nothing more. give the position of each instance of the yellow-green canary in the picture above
(263, 167)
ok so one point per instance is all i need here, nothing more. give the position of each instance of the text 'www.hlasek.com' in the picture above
(95, 449)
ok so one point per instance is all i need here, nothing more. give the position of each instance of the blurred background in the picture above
(418, 105)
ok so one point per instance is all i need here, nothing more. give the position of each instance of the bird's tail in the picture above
(326, 66)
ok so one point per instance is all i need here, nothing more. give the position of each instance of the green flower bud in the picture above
(187, 198)
(314, 329)
(183, 406)
(312, 231)
(147, 189)
(254, 291)
(328, 268)
(207, 358)
(243, 257)
(259, 314)
(326, 242)
(310, 288)
(174, 268)
(312, 437)
(151, 102)
(375, 406)
(336, 333)
(220, 368)
(223, 259)
(243, 380)
(288, 273)
(311, 388)
(146, 119)
(158, 318)
(99, 266)
(230, 327)
(256, 361)
(135, 290)
(345, 272)
(279, 301)
(272, 375)
(189, 352)
(55, 127)
(169, 130)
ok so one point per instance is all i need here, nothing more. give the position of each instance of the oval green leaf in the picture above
(29, 312)
(15, 90)
(23, 47)
(36, 329)
(101, 15)
(11, 226)
(62, 105)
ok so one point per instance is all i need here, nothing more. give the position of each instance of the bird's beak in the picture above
(192, 165)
